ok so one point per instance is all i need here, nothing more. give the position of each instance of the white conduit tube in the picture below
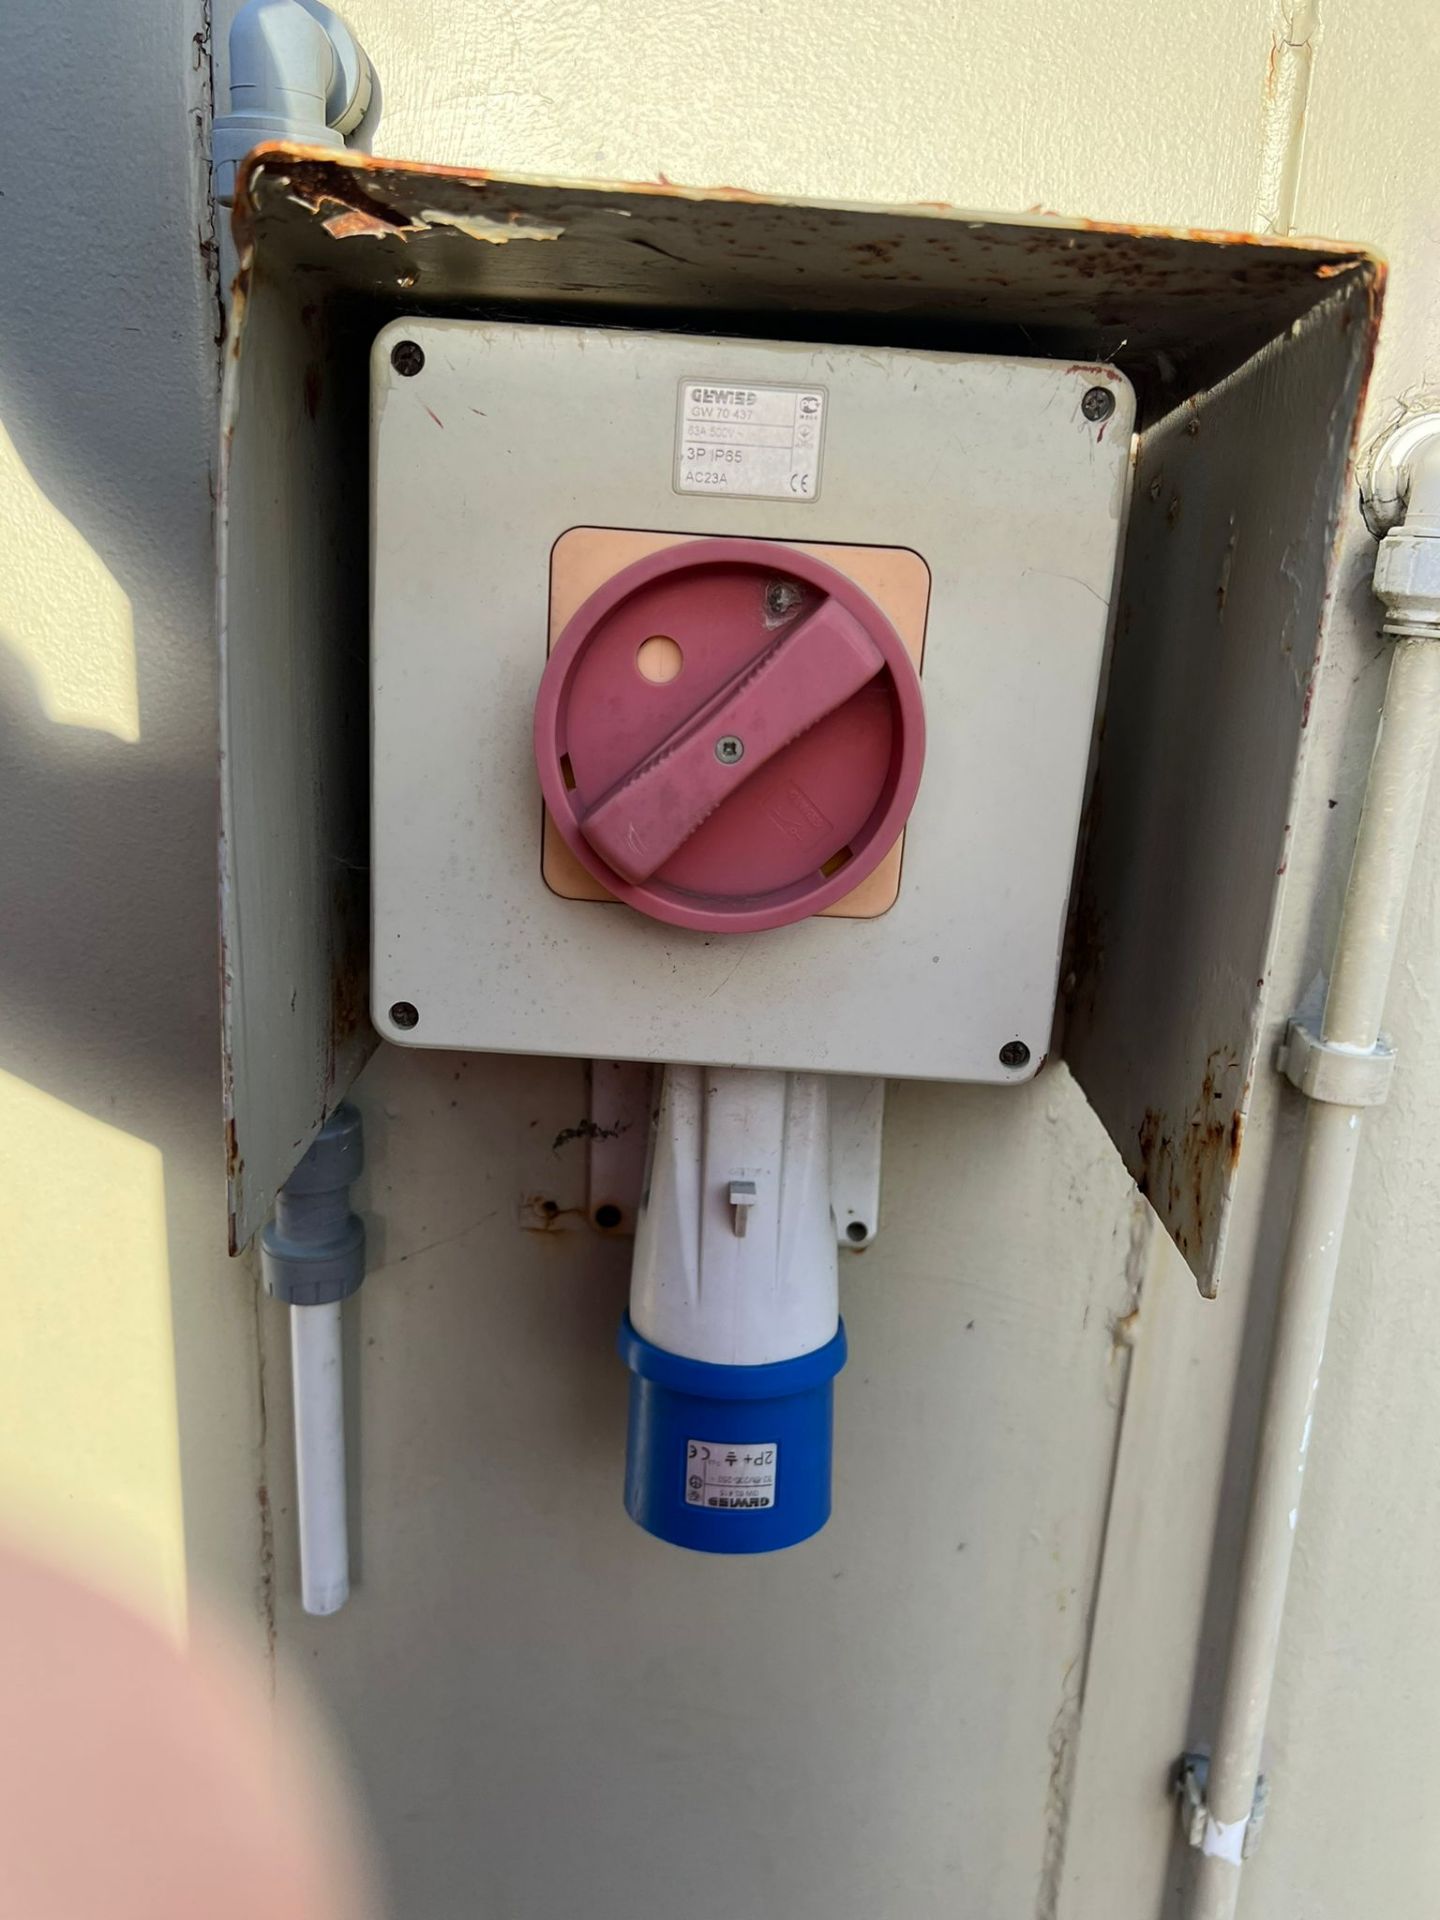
(315, 1367)
(312, 1256)
(1407, 576)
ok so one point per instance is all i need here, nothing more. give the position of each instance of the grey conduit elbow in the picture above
(296, 73)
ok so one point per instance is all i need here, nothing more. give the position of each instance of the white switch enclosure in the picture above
(510, 434)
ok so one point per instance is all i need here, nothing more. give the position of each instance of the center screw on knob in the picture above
(729, 748)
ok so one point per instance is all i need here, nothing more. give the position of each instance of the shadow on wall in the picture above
(109, 1117)
(108, 1005)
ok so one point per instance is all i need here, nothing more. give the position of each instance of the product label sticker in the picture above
(732, 1476)
(755, 442)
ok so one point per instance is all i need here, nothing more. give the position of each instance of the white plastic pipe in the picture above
(318, 1380)
(1364, 956)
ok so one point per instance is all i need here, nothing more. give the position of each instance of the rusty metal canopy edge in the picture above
(1176, 309)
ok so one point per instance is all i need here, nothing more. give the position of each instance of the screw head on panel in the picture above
(407, 357)
(729, 749)
(782, 597)
(404, 1015)
(1014, 1053)
(1097, 403)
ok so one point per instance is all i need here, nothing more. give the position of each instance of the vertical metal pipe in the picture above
(1390, 825)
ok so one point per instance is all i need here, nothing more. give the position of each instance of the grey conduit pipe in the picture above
(297, 73)
(1343, 1065)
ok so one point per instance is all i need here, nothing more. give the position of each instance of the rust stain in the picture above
(1123, 1329)
(317, 181)
(1272, 67)
(347, 1014)
(539, 1213)
(347, 1002)
(234, 1165)
(349, 984)
(239, 294)
(1184, 1169)
(436, 418)
(354, 222)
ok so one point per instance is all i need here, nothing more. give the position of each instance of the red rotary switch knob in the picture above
(768, 772)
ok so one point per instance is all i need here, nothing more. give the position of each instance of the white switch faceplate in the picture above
(508, 436)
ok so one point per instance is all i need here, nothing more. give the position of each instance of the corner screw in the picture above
(1014, 1053)
(404, 1015)
(729, 748)
(408, 357)
(1097, 403)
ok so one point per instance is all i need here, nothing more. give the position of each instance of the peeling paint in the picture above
(914, 259)
(1123, 1329)
(355, 223)
(1224, 1839)
(493, 228)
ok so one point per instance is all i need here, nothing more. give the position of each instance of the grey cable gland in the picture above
(313, 1252)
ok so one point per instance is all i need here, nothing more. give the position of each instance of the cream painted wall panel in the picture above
(554, 1714)
(1119, 109)
(89, 1443)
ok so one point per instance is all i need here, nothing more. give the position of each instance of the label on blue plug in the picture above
(735, 1476)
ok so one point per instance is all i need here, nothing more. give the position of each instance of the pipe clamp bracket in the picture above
(1233, 1840)
(1344, 1076)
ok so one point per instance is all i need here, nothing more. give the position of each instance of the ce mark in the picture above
(800, 483)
